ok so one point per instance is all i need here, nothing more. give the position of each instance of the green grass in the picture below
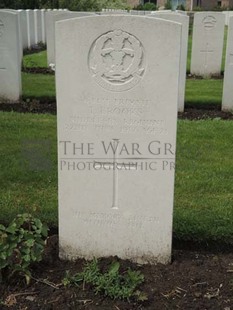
(38, 86)
(203, 91)
(21, 189)
(36, 60)
(204, 175)
(197, 91)
(204, 178)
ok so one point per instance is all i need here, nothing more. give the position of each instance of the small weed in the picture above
(111, 283)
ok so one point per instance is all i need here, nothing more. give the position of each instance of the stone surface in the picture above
(184, 21)
(117, 87)
(51, 18)
(38, 26)
(31, 28)
(207, 44)
(227, 15)
(20, 49)
(43, 31)
(227, 100)
(10, 62)
(23, 27)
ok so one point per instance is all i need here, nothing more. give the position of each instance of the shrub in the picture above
(149, 6)
(21, 244)
(168, 5)
(197, 9)
(180, 7)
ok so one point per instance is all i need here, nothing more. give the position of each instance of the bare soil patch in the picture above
(194, 280)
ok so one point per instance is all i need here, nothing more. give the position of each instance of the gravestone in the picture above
(51, 19)
(228, 15)
(227, 100)
(184, 21)
(117, 93)
(207, 45)
(43, 25)
(38, 26)
(23, 27)
(10, 62)
(30, 28)
(20, 49)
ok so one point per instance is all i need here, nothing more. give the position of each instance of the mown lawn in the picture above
(38, 86)
(204, 174)
(36, 60)
(42, 86)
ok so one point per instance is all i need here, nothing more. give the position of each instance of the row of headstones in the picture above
(207, 45)
(32, 24)
(19, 29)
(227, 14)
(206, 50)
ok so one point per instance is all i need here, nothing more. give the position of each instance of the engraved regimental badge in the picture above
(116, 60)
(1, 28)
(209, 22)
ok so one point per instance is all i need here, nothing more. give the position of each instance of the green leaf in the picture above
(30, 242)
(2, 227)
(114, 268)
(12, 228)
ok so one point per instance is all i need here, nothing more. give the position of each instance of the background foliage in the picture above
(76, 5)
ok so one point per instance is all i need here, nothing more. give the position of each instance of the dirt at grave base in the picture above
(194, 280)
(192, 111)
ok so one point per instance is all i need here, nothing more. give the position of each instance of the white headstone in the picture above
(226, 14)
(43, 32)
(23, 27)
(184, 21)
(51, 19)
(20, 49)
(227, 101)
(38, 26)
(207, 44)
(117, 87)
(10, 62)
(31, 28)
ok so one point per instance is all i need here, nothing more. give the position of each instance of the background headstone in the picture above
(43, 31)
(10, 62)
(23, 27)
(116, 85)
(227, 101)
(31, 28)
(207, 44)
(184, 21)
(20, 49)
(38, 26)
(51, 19)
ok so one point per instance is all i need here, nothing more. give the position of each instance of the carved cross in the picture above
(207, 52)
(115, 166)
